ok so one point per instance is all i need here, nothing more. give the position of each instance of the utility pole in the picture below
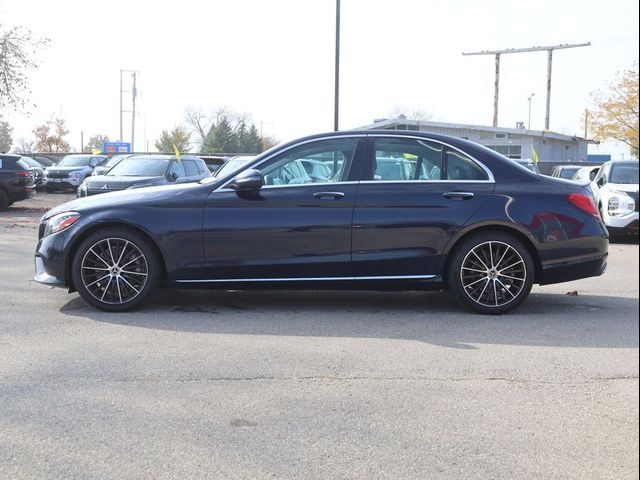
(586, 122)
(134, 94)
(548, 49)
(337, 69)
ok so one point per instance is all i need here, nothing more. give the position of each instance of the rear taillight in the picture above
(23, 174)
(584, 203)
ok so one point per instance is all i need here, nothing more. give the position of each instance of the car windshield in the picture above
(75, 161)
(31, 162)
(232, 165)
(624, 173)
(140, 167)
(114, 160)
(568, 173)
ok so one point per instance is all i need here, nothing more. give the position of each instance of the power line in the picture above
(498, 53)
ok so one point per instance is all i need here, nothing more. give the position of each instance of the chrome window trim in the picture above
(440, 142)
(309, 279)
(432, 182)
(294, 185)
(358, 136)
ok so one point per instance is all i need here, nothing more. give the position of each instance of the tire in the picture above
(488, 286)
(4, 200)
(116, 269)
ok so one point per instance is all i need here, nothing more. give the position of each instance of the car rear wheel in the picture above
(116, 269)
(491, 273)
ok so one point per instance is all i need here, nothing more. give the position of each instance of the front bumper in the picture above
(43, 277)
(61, 183)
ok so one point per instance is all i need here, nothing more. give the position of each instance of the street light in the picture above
(529, 100)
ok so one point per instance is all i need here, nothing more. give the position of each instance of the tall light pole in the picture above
(337, 68)
(529, 100)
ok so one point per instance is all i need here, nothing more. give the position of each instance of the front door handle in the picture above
(328, 195)
(458, 195)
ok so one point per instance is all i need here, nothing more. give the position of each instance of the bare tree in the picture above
(51, 141)
(199, 122)
(402, 111)
(24, 145)
(18, 48)
(5, 136)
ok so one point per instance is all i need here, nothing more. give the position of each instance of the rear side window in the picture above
(401, 159)
(460, 167)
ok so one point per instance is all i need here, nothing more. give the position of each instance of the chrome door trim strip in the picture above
(309, 279)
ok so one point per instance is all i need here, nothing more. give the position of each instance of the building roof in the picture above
(387, 123)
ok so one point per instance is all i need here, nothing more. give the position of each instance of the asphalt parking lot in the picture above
(316, 384)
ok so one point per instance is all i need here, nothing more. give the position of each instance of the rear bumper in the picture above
(574, 270)
(629, 229)
(21, 193)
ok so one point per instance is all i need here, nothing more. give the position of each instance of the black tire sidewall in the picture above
(453, 273)
(148, 250)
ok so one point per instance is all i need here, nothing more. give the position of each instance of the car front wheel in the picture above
(116, 269)
(491, 273)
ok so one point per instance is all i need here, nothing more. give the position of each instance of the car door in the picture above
(415, 195)
(291, 228)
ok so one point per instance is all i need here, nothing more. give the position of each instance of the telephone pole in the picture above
(548, 49)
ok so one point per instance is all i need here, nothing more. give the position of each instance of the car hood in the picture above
(136, 196)
(623, 187)
(122, 181)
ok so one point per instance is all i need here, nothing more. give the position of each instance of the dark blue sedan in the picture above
(391, 210)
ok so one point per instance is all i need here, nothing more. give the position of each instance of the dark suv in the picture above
(16, 180)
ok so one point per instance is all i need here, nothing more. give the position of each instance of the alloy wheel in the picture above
(114, 271)
(493, 274)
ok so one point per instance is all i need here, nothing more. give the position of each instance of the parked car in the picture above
(234, 163)
(585, 174)
(46, 161)
(16, 180)
(528, 164)
(109, 164)
(565, 171)
(37, 169)
(214, 162)
(485, 228)
(71, 171)
(616, 191)
(145, 171)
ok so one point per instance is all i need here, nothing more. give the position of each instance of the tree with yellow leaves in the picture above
(615, 115)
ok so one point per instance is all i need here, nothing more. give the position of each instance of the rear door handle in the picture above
(328, 195)
(458, 195)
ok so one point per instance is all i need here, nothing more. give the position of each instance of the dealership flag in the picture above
(175, 149)
(535, 155)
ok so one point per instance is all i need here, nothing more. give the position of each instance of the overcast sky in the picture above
(274, 59)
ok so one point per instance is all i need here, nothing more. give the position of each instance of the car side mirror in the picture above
(600, 182)
(172, 176)
(249, 180)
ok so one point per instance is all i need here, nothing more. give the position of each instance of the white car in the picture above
(616, 192)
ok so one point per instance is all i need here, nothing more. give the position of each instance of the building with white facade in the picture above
(511, 142)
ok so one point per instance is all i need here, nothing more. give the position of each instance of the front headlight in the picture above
(76, 174)
(619, 206)
(60, 222)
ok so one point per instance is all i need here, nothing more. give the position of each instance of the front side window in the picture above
(326, 161)
(399, 159)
